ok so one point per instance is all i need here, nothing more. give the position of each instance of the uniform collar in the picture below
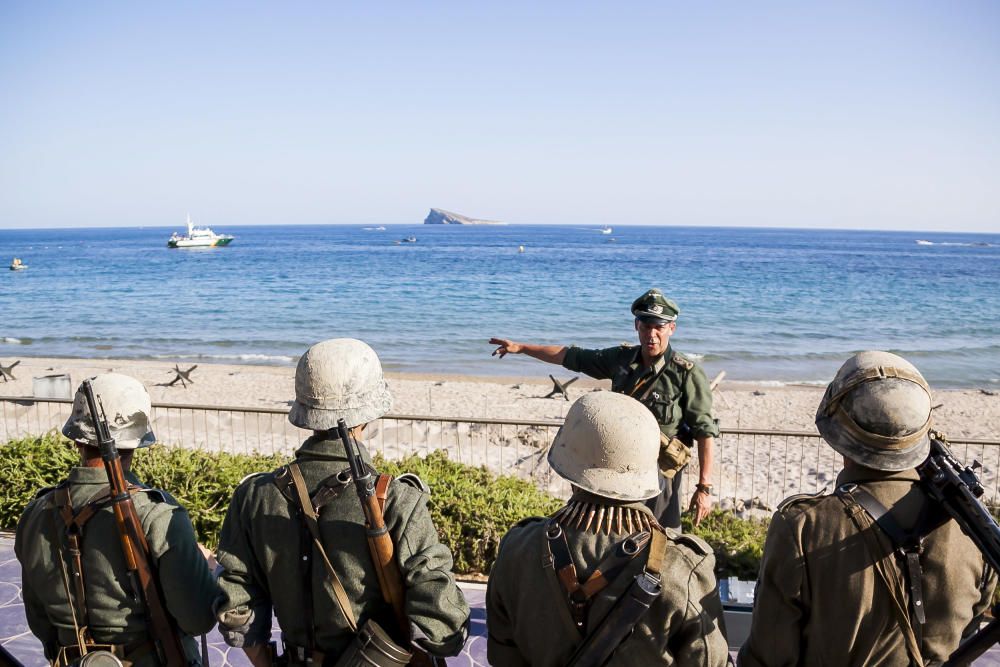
(657, 363)
(325, 448)
(88, 475)
(860, 474)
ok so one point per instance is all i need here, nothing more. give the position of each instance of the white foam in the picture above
(13, 341)
(251, 357)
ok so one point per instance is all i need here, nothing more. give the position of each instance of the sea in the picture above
(763, 305)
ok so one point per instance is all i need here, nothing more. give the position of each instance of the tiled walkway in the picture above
(16, 638)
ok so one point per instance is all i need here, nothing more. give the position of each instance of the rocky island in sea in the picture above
(439, 216)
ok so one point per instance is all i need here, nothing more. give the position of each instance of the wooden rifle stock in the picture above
(133, 540)
(390, 579)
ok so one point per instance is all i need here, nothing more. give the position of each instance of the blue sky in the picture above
(855, 115)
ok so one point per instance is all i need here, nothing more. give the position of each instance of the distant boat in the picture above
(198, 237)
(923, 242)
(17, 265)
(605, 230)
(409, 239)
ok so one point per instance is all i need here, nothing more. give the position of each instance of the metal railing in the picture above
(754, 469)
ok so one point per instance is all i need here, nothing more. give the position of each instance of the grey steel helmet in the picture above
(608, 446)
(126, 406)
(877, 412)
(339, 378)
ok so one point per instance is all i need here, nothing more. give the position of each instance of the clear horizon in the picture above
(871, 116)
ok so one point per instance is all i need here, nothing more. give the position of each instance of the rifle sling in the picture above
(311, 520)
(615, 627)
(74, 522)
(891, 577)
(580, 594)
(907, 543)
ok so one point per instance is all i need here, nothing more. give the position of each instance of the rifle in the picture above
(141, 574)
(390, 580)
(957, 489)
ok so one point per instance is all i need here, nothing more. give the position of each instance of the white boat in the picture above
(605, 230)
(923, 242)
(198, 237)
(17, 265)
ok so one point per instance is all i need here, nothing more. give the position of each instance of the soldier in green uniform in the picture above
(673, 387)
(556, 579)
(271, 564)
(834, 587)
(108, 614)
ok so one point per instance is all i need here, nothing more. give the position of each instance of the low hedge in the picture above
(472, 508)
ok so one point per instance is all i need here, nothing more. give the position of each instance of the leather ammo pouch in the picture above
(674, 455)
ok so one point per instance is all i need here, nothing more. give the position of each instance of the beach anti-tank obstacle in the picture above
(7, 372)
(560, 387)
(182, 376)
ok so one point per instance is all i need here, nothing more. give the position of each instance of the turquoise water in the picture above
(761, 304)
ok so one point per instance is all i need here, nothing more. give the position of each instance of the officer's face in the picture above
(654, 337)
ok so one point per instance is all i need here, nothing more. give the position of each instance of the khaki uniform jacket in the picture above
(260, 551)
(820, 602)
(681, 393)
(113, 615)
(529, 621)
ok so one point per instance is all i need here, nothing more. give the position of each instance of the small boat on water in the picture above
(198, 237)
(606, 230)
(410, 239)
(17, 265)
(923, 242)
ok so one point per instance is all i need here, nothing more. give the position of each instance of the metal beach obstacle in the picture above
(7, 372)
(560, 387)
(182, 376)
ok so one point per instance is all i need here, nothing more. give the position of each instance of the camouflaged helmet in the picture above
(126, 407)
(608, 446)
(339, 378)
(877, 412)
(655, 308)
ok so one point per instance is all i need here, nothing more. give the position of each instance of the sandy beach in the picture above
(968, 413)
(765, 468)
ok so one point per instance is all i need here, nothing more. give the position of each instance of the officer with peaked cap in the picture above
(673, 387)
(270, 563)
(79, 606)
(836, 588)
(555, 579)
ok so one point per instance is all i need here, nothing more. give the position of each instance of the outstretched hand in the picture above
(505, 347)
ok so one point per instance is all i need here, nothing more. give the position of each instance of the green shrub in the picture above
(203, 482)
(738, 543)
(471, 507)
(27, 465)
